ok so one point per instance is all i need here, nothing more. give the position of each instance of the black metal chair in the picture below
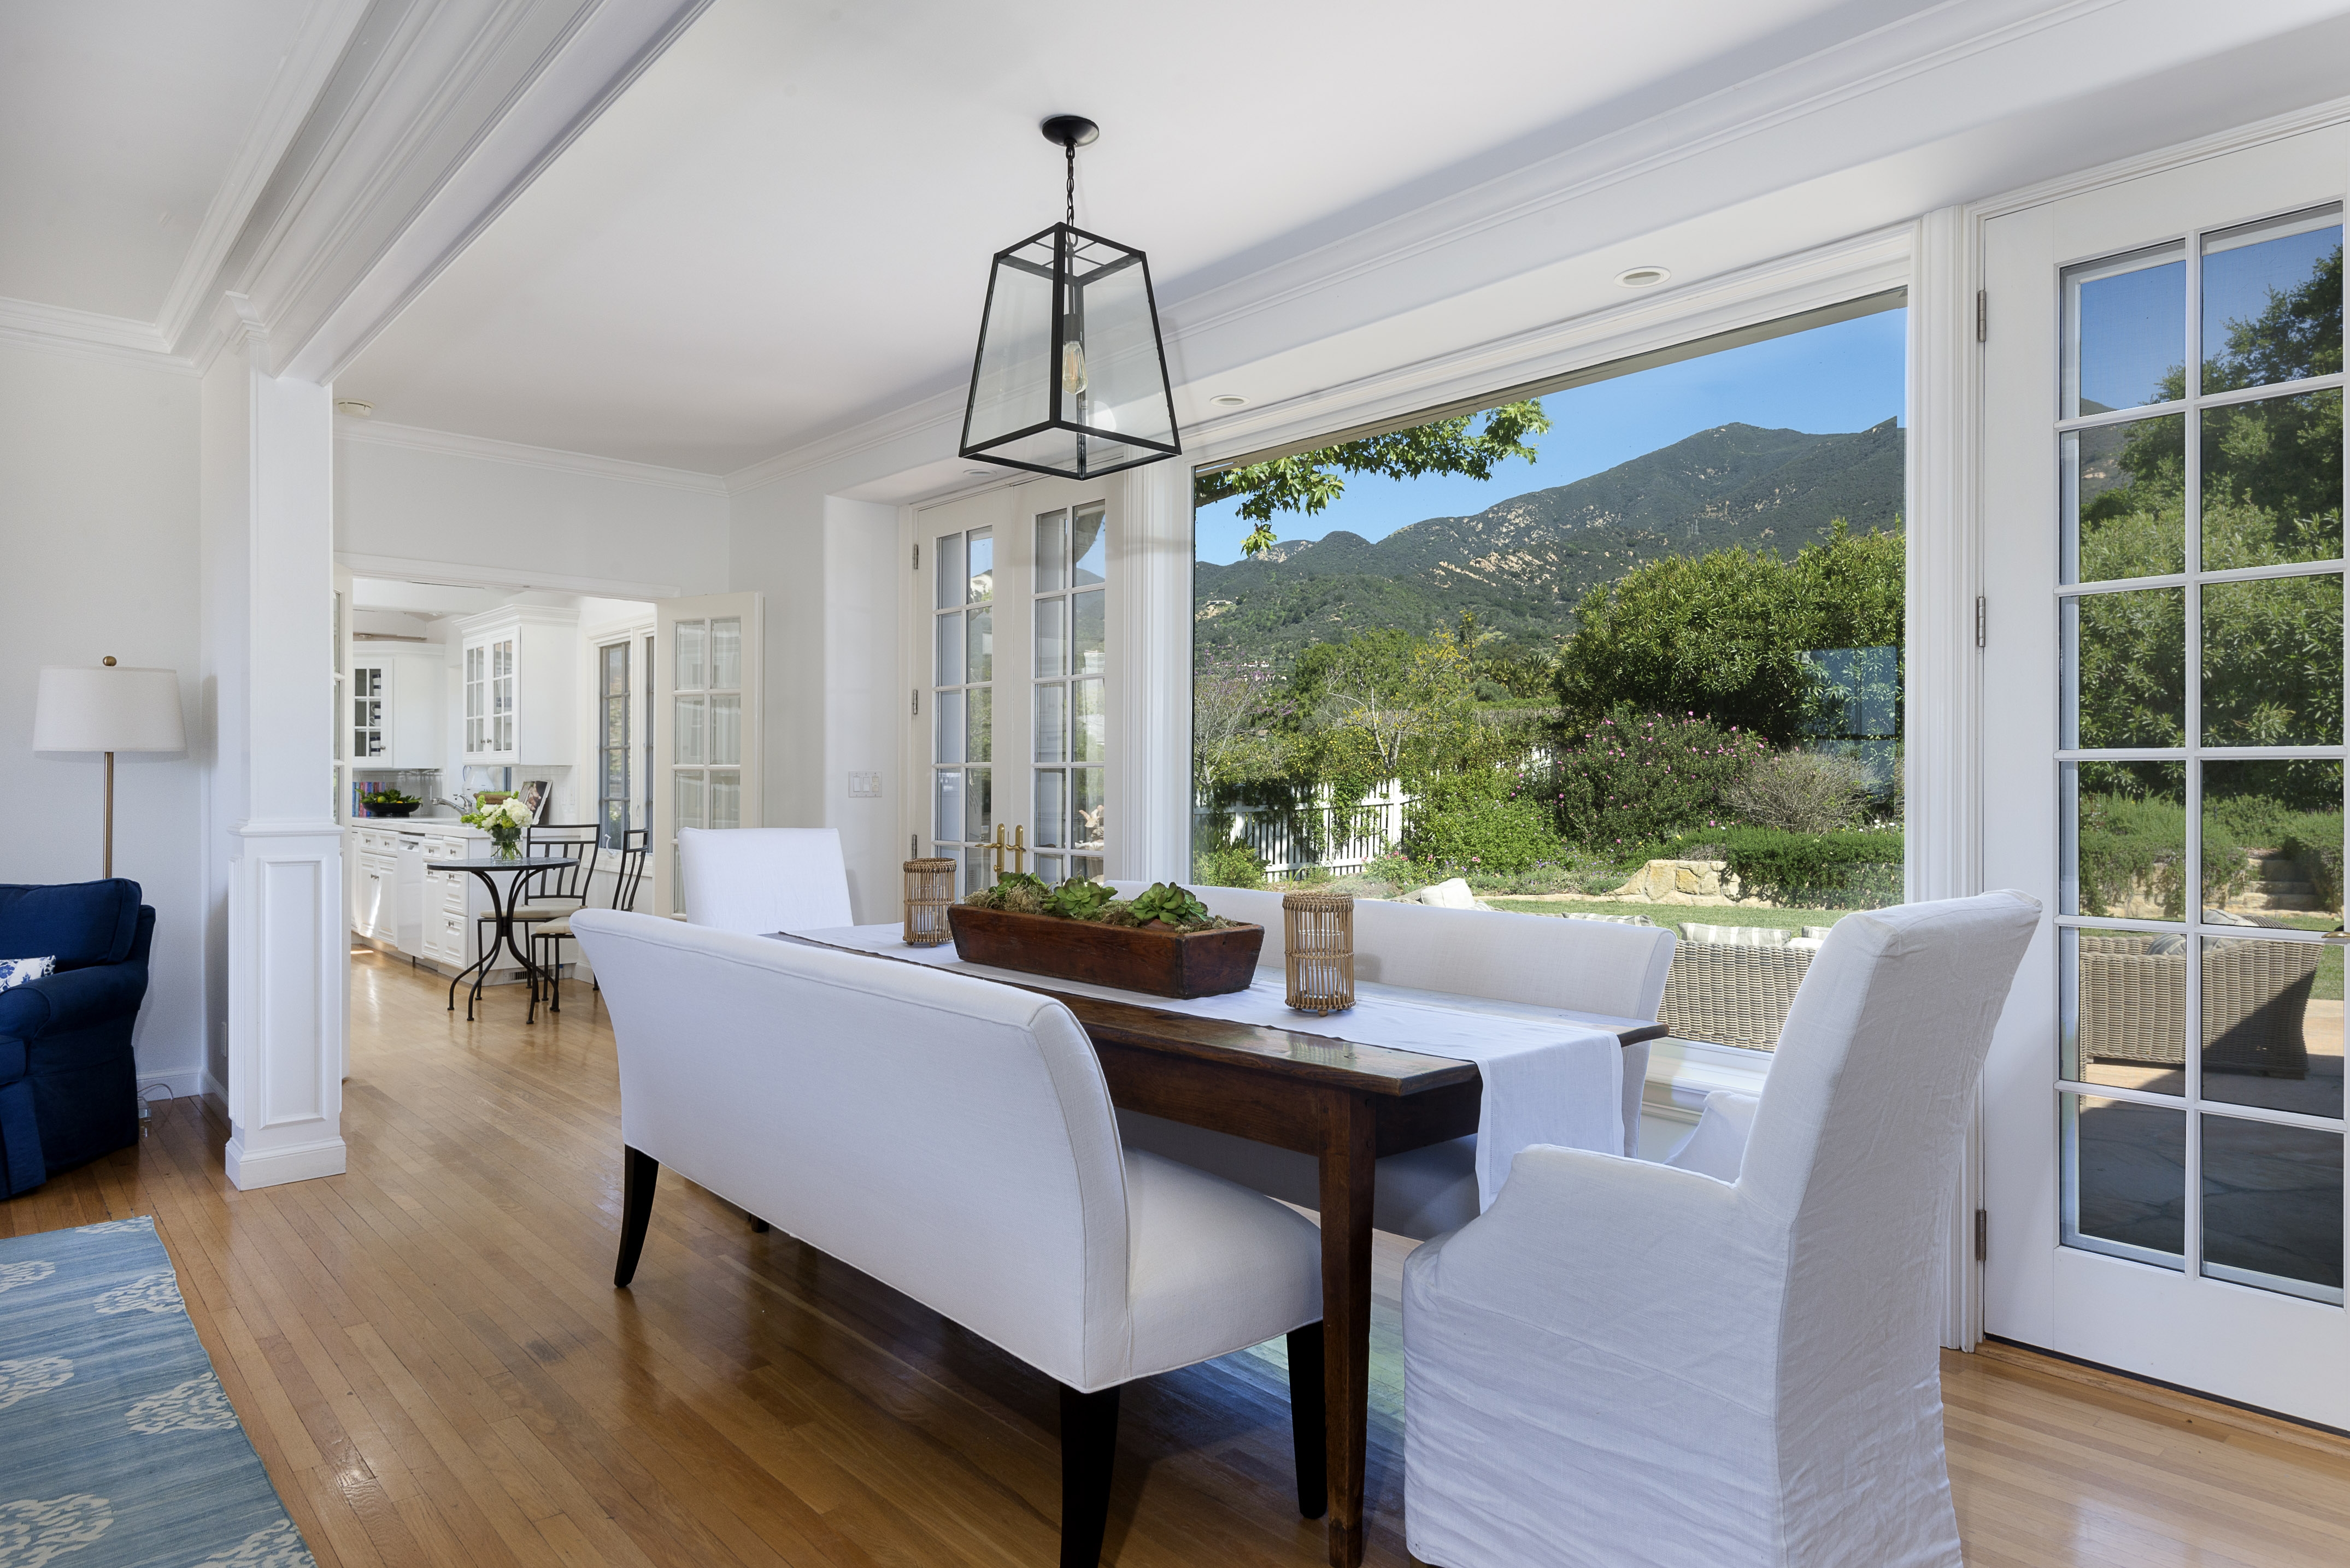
(636, 848)
(549, 895)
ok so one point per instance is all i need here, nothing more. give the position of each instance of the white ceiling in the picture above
(784, 224)
(123, 123)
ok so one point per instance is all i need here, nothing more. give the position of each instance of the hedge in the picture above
(1820, 870)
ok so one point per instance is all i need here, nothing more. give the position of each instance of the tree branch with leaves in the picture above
(1309, 481)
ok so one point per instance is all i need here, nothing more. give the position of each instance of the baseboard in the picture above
(2178, 1401)
(304, 1162)
(181, 1082)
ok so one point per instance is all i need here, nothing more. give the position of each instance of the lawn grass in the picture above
(1674, 914)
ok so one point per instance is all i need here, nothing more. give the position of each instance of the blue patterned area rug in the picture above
(117, 1445)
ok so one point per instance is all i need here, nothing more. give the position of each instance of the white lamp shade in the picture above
(103, 709)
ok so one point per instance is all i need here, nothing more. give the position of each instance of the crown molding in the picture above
(55, 329)
(462, 574)
(309, 63)
(940, 412)
(414, 438)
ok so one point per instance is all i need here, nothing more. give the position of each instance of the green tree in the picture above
(1724, 636)
(1309, 481)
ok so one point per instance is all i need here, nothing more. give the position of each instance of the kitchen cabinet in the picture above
(519, 667)
(401, 903)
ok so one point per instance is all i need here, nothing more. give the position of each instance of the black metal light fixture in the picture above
(1070, 376)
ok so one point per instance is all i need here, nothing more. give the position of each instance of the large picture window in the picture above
(1630, 649)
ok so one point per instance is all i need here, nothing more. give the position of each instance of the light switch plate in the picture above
(864, 787)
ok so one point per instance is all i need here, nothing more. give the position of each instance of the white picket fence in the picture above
(1349, 837)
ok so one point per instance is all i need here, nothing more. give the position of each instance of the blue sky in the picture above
(1846, 376)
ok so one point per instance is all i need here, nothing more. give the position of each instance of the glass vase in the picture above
(506, 843)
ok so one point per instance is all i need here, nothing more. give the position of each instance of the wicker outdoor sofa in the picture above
(1731, 994)
(2133, 1004)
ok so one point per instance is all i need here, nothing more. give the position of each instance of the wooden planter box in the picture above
(1131, 957)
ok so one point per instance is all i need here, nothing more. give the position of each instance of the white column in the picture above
(1943, 757)
(273, 848)
(1150, 630)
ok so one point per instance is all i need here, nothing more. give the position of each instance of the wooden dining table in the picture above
(1313, 1091)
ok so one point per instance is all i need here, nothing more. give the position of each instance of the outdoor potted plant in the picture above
(1161, 941)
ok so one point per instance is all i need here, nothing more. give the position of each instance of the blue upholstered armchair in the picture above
(69, 1091)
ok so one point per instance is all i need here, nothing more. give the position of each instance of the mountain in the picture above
(1523, 563)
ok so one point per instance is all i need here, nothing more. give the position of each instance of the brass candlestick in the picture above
(929, 888)
(1318, 942)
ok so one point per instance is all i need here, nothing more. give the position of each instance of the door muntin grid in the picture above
(962, 700)
(2199, 594)
(1068, 613)
(706, 723)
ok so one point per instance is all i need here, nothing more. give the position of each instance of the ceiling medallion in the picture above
(1070, 376)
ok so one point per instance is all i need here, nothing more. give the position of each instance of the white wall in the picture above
(522, 521)
(861, 596)
(97, 513)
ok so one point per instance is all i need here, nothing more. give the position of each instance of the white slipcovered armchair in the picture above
(953, 1138)
(755, 881)
(1631, 1365)
(1528, 961)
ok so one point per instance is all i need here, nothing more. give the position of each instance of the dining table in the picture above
(1309, 1090)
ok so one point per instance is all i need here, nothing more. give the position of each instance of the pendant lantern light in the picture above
(1070, 376)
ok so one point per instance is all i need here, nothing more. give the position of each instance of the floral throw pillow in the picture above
(15, 973)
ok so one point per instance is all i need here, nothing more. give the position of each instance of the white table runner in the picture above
(1548, 1078)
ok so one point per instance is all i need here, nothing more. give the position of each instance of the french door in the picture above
(2163, 1108)
(1009, 605)
(707, 669)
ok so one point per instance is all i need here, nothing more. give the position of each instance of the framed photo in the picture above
(533, 796)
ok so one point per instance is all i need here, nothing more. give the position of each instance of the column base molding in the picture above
(275, 1167)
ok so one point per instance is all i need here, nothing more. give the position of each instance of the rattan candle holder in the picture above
(930, 890)
(1318, 940)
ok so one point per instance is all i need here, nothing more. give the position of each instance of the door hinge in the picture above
(918, 555)
(1982, 614)
(914, 702)
(1982, 1235)
(1982, 316)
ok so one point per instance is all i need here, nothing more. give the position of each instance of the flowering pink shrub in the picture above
(1634, 779)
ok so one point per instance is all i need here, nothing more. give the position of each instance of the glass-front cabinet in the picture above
(519, 677)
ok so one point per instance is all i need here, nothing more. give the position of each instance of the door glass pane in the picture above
(2127, 1165)
(948, 717)
(2125, 338)
(980, 745)
(2273, 482)
(1052, 724)
(2125, 1009)
(2273, 1206)
(1086, 634)
(980, 645)
(950, 649)
(980, 586)
(2273, 663)
(948, 824)
(689, 745)
(2127, 849)
(1089, 547)
(1088, 723)
(978, 804)
(1051, 551)
(2125, 669)
(692, 670)
(2272, 301)
(948, 562)
(689, 800)
(1087, 830)
(2126, 500)
(2267, 1039)
(726, 728)
(726, 653)
(978, 870)
(1050, 806)
(1052, 638)
(726, 798)
(1051, 869)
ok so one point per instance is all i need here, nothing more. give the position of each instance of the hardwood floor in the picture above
(431, 1358)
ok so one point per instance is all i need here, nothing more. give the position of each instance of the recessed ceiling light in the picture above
(353, 407)
(1643, 277)
(1229, 400)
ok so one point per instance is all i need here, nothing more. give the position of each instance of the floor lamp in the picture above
(109, 709)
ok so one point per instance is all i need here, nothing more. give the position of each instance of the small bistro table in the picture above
(1347, 1105)
(503, 902)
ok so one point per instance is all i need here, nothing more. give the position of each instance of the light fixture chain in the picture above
(1069, 191)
